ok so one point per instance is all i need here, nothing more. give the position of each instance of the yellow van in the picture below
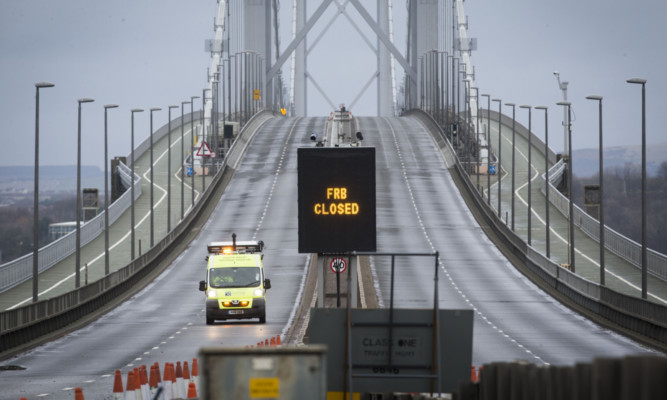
(235, 286)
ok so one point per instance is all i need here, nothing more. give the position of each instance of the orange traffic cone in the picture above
(180, 391)
(167, 384)
(186, 372)
(118, 393)
(266, 342)
(192, 391)
(145, 390)
(137, 384)
(195, 372)
(278, 342)
(153, 381)
(130, 394)
(273, 342)
(473, 374)
(78, 394)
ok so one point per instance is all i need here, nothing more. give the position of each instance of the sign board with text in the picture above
(395, 359)
(336, 195)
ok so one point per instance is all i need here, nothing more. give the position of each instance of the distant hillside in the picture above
(58, 178)
(585, 161)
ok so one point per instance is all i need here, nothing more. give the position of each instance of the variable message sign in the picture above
(336, 194)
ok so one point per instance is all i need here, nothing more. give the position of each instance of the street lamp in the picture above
(134, 110)
(169, 170)
(601, 216)
(569, 183)
(35, 218)
(488, 147)
(476, 137)
(530, 134)
(182, 160)
(106, 190)
(513, 159)
(151, 165)
(203, 132)
(192, 152)
(644, 250)
(500, 139)
(546, 172)
(78, 195)
(562, 85)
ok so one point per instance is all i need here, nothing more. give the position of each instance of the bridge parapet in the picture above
(644, 320)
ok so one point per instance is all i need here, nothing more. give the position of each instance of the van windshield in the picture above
(234, 277)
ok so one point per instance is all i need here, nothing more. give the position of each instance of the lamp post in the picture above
(169, 169)
(569, 183)
(192, 151)
(562, 85)
(203, 158)
(476, 138)
(642, 82)
(601, 216)
(488, 147)
(35, 218)
(546, 173)
(530, 134)
(182, 160)
(134, 110)
(77, 274)
(500, 140)
(106, 190)
(152, 181)
(513, 159)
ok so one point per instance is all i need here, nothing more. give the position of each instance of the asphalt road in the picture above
(419, 209)
(165, 322)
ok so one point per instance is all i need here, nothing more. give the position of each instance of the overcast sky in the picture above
(150, 53)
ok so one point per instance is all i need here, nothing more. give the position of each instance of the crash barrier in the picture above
(647, 321)
(622, 246)
(24, 324)
(18, 271)
(629, 378)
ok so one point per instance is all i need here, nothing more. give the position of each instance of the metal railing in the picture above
(23, 324)
(648, 320)
(622, 246)
(18, 271)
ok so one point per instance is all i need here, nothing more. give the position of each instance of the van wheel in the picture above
(262, 318)
(209, 321)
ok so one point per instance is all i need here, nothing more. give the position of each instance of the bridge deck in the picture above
(59, 279)
(620, 275)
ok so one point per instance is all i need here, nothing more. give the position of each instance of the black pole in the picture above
(106, 191)
(35, 220)
(546, 173)
(77, 273)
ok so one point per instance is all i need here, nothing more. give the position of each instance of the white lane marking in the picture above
(565, 241)
(118, 243)
(442, 266)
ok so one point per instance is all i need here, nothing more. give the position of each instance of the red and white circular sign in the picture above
(338, 265)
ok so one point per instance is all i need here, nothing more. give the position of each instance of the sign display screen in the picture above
(336, 192)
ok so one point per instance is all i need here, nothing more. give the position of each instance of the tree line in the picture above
(622, 202)
(16, 224)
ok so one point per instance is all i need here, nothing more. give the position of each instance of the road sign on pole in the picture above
(338, 265)
(204, 150)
